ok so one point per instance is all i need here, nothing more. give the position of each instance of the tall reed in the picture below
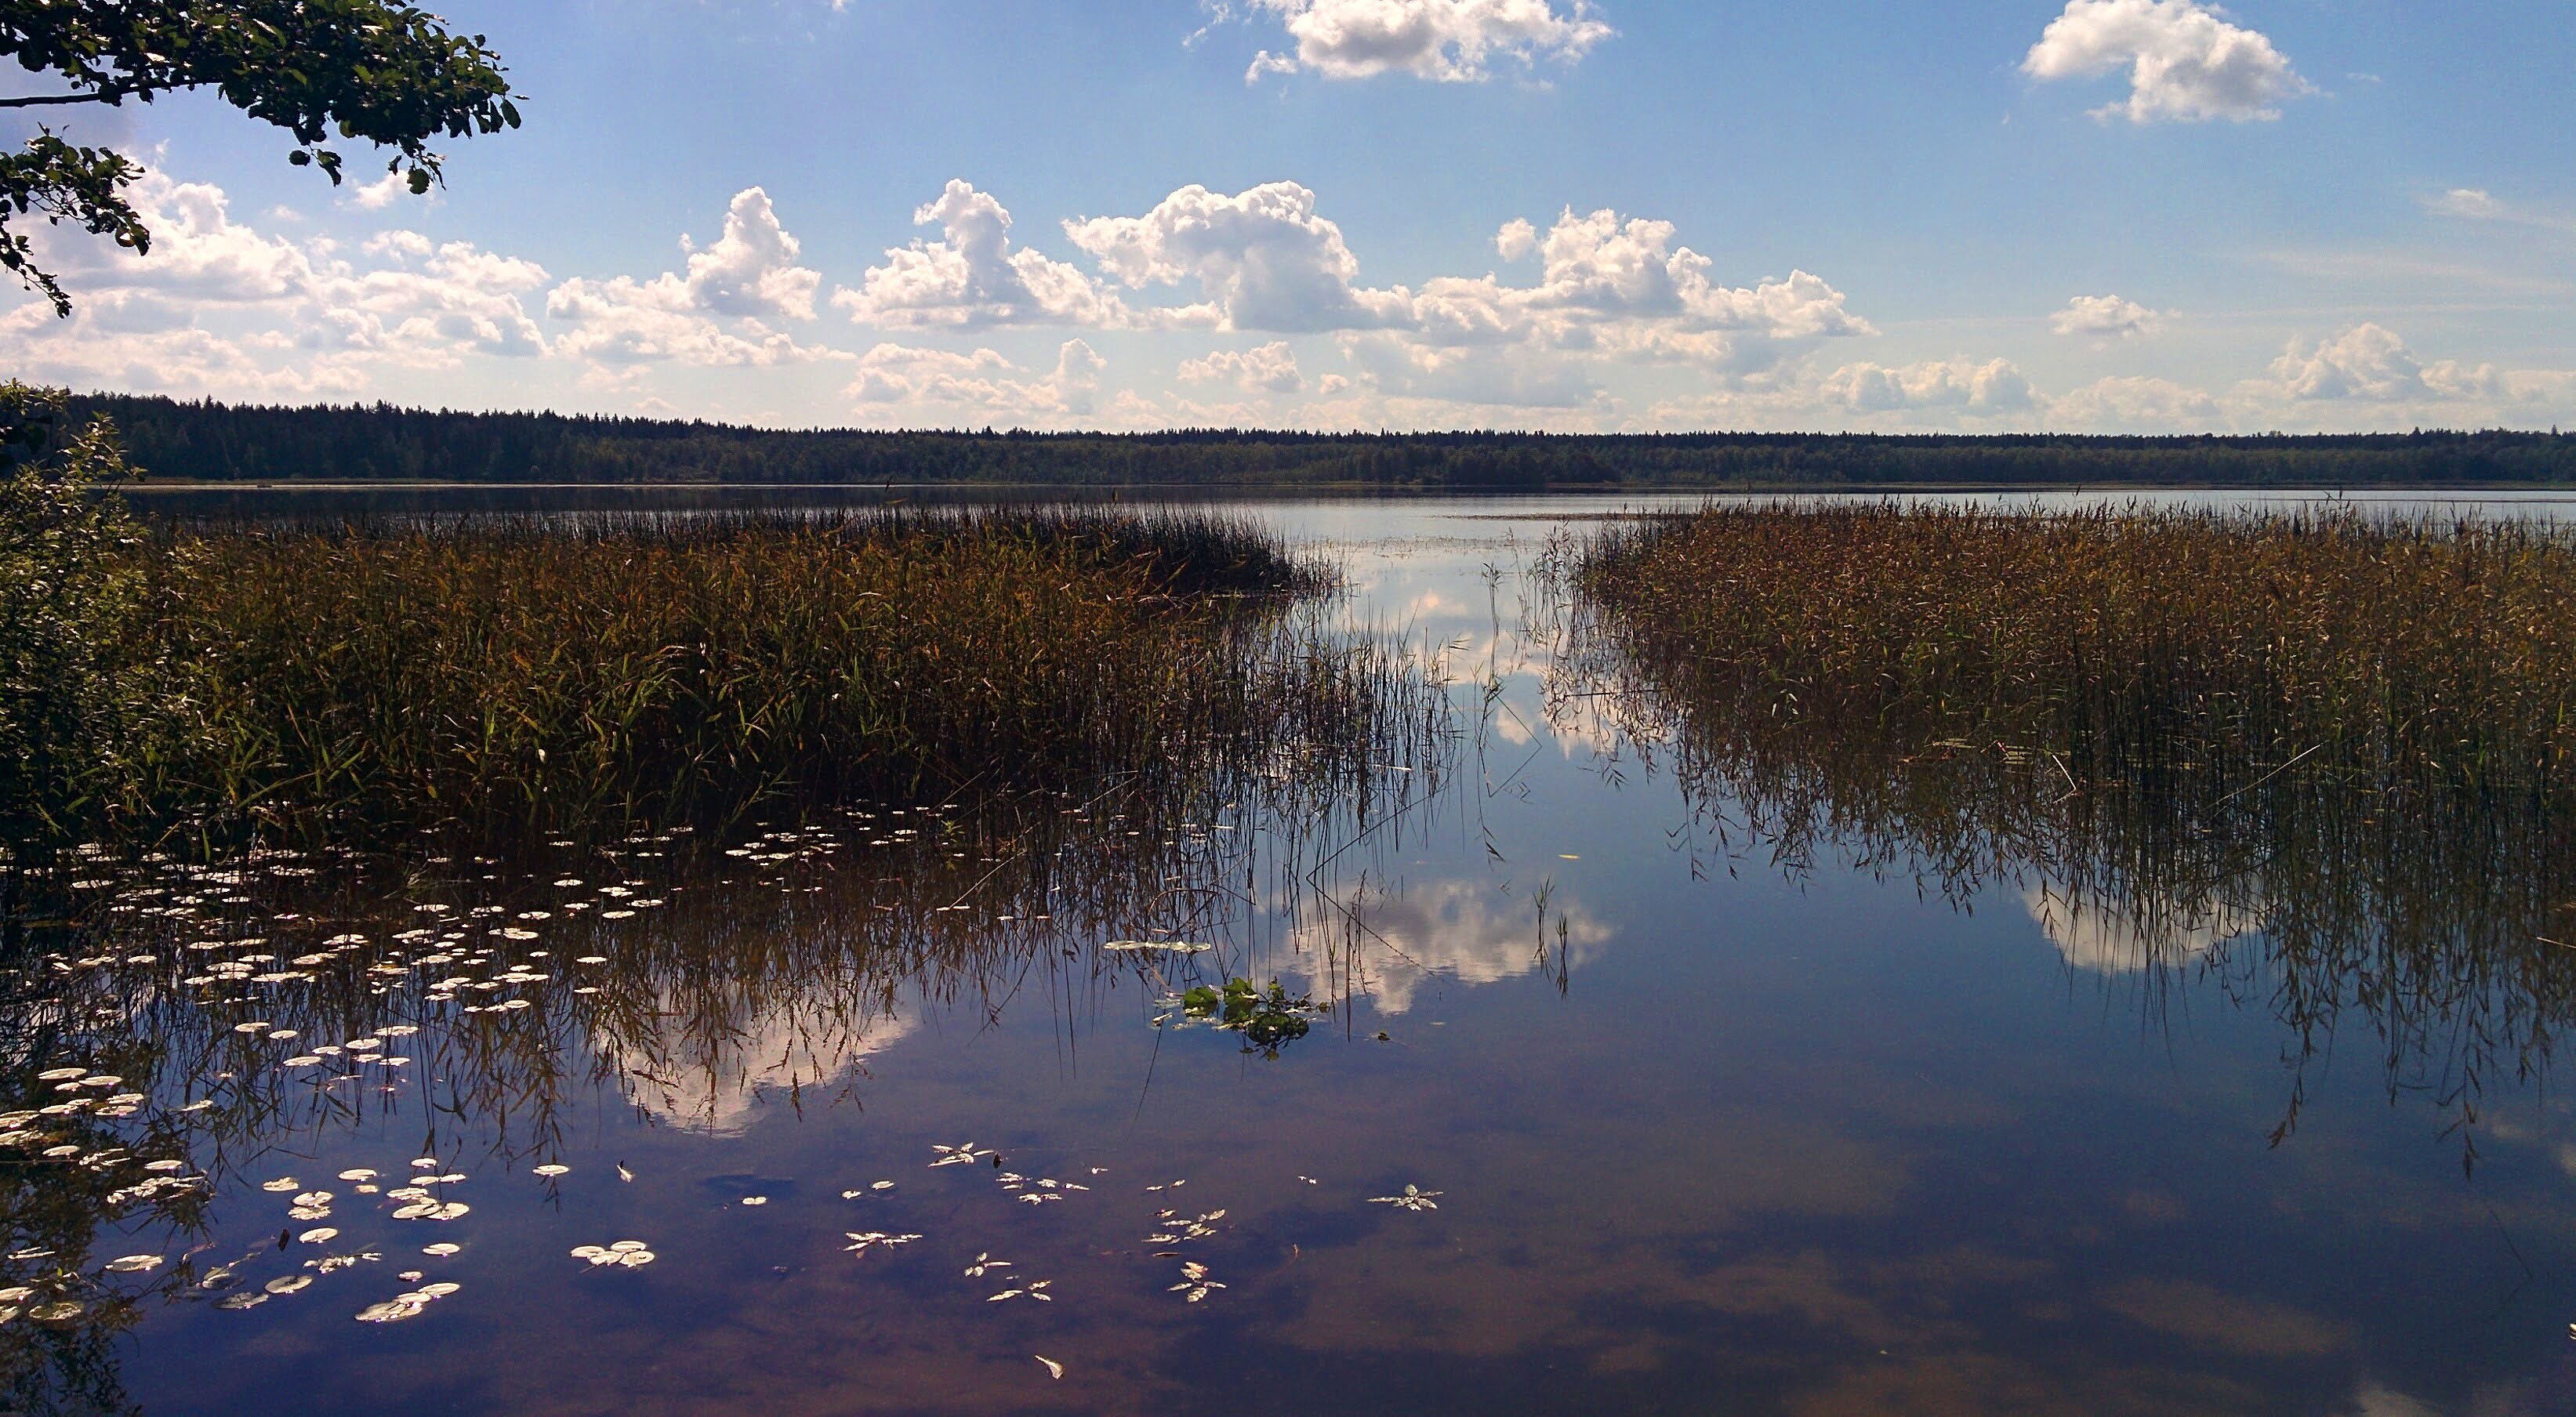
(2127, 637)
(507, 678)
(2319, 758)
(551, 678)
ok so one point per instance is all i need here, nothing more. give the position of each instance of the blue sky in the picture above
(2103, 215)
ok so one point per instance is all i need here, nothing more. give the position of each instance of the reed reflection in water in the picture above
(249, 1012)
(2377, 886)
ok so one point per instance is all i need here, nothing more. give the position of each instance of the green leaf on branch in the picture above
(367, 70)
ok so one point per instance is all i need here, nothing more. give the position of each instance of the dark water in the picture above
(2044, 1124)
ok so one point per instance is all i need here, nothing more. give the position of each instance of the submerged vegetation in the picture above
(2324, 758)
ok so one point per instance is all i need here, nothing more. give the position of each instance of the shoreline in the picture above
(1371, 489)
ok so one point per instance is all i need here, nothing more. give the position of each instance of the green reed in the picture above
(2318, 759)
(75, 690)
(505, 678)
(2123, 636)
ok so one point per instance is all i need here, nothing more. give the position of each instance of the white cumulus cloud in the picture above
(1451, 41)
(1989, 387)
(384, 192)
(2186, 61)
(397, 245)
(980, 385)
(622, 320)
(460, 300)
(127, 340)
(1609, 287)
(1271, 369)
(717, 314)
(220, 307)
(974, 277)
(751, 269)
(2366, 361)
(1605, 267)
(2136, 404)
(2105, 317)
(1618, 287)
(199, 252)
(1478, 377)
(2370, 363)
(1262, 259)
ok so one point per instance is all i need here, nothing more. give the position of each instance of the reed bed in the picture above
(2319, 759)
(505, 678)
(2122, 639)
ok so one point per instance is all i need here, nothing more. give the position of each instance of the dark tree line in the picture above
(215, 442)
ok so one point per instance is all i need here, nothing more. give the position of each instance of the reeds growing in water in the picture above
(2122, 637)
(524, 677)
(2321, 757)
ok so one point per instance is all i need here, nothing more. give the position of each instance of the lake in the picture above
(1608, 1097)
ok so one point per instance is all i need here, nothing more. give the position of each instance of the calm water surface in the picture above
(1695, 1127)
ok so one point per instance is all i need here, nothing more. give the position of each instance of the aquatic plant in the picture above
(2321, 758)
(508, 679)
(682, 670)
(1266, 1020)
(2122, 636)
(286, 991)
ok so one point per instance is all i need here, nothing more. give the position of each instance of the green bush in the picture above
(77, 680)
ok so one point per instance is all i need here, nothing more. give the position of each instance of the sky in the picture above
(1575, 215)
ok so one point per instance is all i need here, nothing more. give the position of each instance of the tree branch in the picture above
(102, 96)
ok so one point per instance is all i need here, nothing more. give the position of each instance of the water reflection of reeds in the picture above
(698, 977)
(2323, 761)
(761, 981)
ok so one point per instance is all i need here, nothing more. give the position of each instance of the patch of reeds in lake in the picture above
(2320, 757)
(2125, 636)
(517, 678)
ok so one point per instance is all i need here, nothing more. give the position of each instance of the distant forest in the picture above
(213, 442)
